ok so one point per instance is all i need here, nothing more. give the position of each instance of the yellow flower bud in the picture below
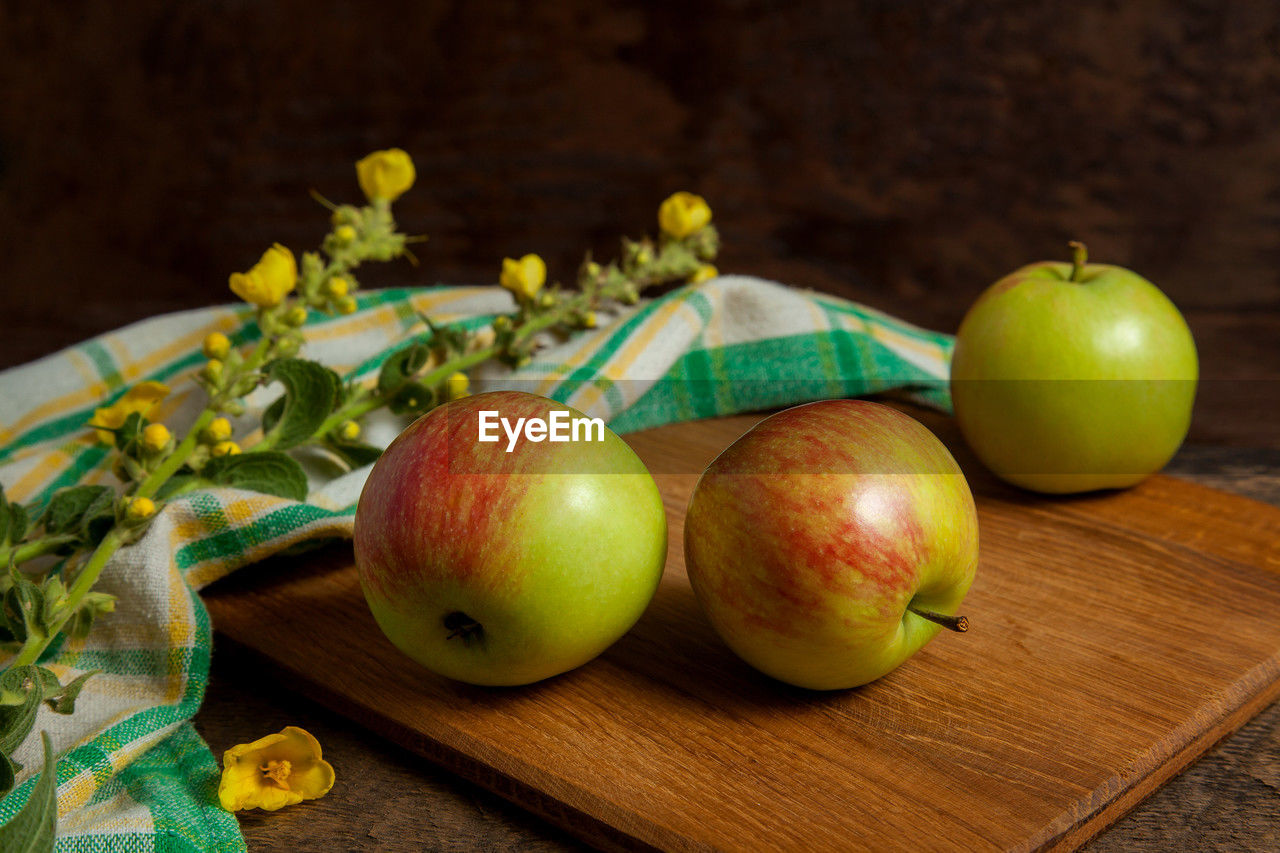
(385, 174)
(141, 398)
(501, 323)
(216, 345)
(706, 272)
(219, 429)
(296, 316)
(349, 431)
(546, 300)
(589, 320)
(338, 287)
(139, 509)
(269, 280)
(344, 233)
(345, 305)
(683, 214)
(213, 370)
(525, 277)
(156, 437)
(457, 385)
(226, 448)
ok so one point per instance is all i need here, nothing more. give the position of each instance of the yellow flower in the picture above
(156, 437)
(589, 320)
(524, 277)
(457, 385)
(139, 509)
(269, 280)
(706, 272)
(349, 431)
(344, 233)
(141, 398)
(345, 305)
(216, 345)
(385, 174)
(219, 429)
(683, 214)
(338, 287)
(275, 771)
(225, 448)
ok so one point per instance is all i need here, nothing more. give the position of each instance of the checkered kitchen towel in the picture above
(133, 774)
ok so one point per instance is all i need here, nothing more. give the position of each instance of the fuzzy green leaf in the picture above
(5, 514)
(400, 367)
(62, 699)
(18, 521)
(269, 472)
(68, 507)
(8, 772)
(412, 398)
(130, 432)
(21, 692)
(355, 454)
(32, 829)
(24, 606)
(311, 392)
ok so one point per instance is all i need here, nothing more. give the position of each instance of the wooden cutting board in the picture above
(1114, 639)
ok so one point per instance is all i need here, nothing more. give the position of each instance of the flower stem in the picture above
(35, 644)
(30, 550)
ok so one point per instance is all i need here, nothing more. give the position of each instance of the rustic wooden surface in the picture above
(1122, 704)
(902, 153)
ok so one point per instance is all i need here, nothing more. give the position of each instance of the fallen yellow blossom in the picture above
(273, 772)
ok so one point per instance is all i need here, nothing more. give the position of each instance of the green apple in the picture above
(508, 561)
(1073, 377)
(831, 542)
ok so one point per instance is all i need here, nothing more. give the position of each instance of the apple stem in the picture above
(959, 624)
(1079, 254)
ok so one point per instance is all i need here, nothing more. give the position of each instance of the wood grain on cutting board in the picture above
(1114, 638)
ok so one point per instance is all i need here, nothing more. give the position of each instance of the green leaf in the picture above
(8, 770)
(412, 398)
(32, 830)
(24, 606)
(5, 513)
(18, 521)
(69, 505)
(269, 472)
(271, 415)
(400, 367)
(63, 699)
(310, 394)
(91, 606)
(130, 432)
(21, 692)
(355, 454)
(98, 519)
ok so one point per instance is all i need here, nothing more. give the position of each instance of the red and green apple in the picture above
(831, 542)
(506, 562)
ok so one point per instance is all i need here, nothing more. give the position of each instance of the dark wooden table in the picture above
(387, 799)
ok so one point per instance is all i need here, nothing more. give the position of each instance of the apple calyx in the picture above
(959, 624)
(1079, 255)
(461, 626)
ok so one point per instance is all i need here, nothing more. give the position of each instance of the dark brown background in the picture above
(902, 153)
